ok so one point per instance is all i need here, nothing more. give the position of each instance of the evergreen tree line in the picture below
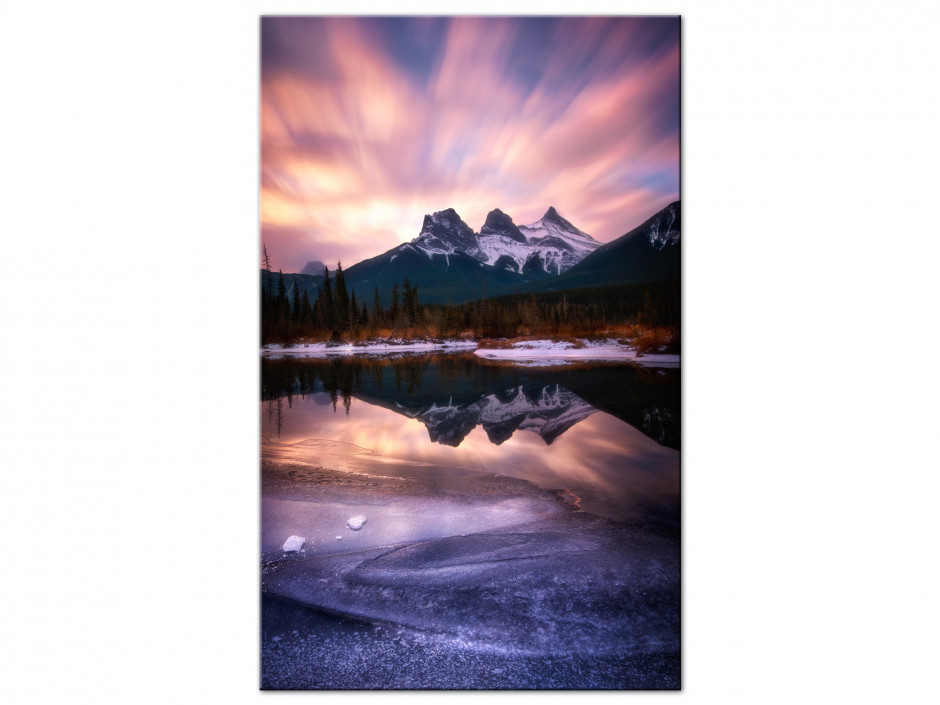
(584, 311)
(336, 313)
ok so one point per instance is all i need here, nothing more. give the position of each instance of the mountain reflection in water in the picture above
(453, 394)
(591, 429)
(548, 411)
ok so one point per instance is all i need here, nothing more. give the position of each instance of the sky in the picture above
(368, 124)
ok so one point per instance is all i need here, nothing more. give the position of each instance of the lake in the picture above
(514, 516)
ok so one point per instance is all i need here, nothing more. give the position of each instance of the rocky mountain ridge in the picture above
(547, 247)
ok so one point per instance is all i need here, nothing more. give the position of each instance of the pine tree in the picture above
(267, 299)
(376, 309)
(317, 313)
(353, 314)
(281, 292)
(340, 301)
(406, 301)
(306, 316)
(267, 268)
(295, 304)
(281, 304)
(394, 310)
(325, 299)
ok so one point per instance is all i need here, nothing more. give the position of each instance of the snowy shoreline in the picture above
(370, 348)
(547, 352)
(531, 352)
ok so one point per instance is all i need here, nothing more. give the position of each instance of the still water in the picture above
(606, 433)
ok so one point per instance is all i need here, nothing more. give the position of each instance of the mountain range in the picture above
(452, 264)
(549, 246)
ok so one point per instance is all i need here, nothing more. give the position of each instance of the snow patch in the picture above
(544, 345)
(543, 350)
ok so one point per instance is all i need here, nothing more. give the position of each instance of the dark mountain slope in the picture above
(649, 252)
(452, 279)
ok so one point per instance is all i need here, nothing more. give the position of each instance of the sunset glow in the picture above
(369, 123)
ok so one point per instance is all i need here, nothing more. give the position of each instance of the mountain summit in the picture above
(316, 268)
(444, 233)
(552, 216)
(498, 223)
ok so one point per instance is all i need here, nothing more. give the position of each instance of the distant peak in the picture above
(551, 213)
(315, 267)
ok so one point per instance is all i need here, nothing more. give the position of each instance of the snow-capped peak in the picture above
(558, 243)
(444, 233)
(552, 224)
(551, 245)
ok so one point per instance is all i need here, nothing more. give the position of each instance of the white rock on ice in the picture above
(294, 544)
(339, 538)
(355, 523)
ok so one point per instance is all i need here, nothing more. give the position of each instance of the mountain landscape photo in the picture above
(470, 338)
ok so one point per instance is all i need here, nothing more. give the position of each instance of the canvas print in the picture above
(470, 295)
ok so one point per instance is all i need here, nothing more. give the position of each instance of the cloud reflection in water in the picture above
(616, 470)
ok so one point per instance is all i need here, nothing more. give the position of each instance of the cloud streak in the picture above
(368, 124)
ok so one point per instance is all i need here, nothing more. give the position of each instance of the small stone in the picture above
(339, 538)
(355, 523)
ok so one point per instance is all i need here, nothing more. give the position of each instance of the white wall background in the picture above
(129, 165)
